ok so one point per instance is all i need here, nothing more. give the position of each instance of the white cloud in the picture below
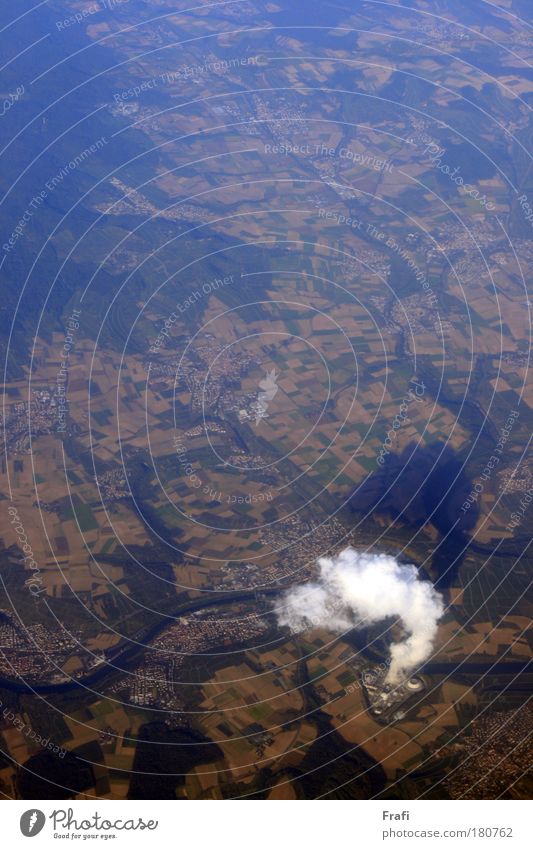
(355, 590)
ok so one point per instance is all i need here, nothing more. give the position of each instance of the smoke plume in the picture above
(355, 590)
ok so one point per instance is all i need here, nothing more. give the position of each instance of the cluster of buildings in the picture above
(452, 236)
(206, 427)
(238, 115)
(519, 359)
(134, 110)
(298, 541)
(492, 756)
(242, 460)
(39, 414)
(239, 576)
(282, 119)
(35, 653)
(517, 479)
(446, 33)
(416, 315)
(113, 485)
(133, 202)
(367, 260)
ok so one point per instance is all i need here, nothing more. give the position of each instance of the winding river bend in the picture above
(124, 657)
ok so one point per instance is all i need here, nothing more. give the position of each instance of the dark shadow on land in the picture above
(50, 776)
(419, 487)
(164, 756)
